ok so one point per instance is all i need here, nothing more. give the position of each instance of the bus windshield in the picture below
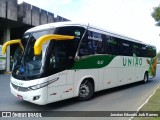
(26, 64)
(56, 55)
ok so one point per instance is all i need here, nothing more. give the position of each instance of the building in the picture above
(16, 18)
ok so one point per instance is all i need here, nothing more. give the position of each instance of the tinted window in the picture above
(61, 53)
(151, 51)
(72, 31)
(91, 44)
(60, 56)
(28, 66)
(112, 45)
(154, 51)
(95, 42)
(125, 48)
(135, 49)
(143, 51)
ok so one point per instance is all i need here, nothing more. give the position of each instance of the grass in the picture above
(152, 105)
(147, 118)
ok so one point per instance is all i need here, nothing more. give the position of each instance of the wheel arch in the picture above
(89, 78)
(144, 81)
(146, 72)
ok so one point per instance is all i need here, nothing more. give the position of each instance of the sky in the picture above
(131, 18)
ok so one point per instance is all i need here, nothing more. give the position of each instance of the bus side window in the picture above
(112, 45)
(151, 51)
(85, 46)
(136, 50)
(142, 51)
(125, 48)
(97, 43)
(154, 51)
(91, 44)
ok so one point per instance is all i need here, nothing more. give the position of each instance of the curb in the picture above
(7, 72)
(146, 100)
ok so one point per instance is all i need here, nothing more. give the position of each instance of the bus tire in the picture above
(86, 91)
(145, 79)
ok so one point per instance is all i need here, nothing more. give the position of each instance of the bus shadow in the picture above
(68, 102)
(49, 107)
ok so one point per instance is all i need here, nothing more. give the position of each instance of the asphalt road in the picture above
(124, 98)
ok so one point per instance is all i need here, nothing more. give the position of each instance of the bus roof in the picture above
(85, 25)
(54, 25)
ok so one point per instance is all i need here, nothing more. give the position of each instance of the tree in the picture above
(158, 57)
(156, 13)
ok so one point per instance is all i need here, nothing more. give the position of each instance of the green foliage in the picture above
(158, 55)
(153, 105)
(156, 13)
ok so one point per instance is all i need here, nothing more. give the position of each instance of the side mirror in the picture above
(4, 47)
(38, 44)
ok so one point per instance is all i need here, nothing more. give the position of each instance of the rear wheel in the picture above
(145, 79)
(86, 90)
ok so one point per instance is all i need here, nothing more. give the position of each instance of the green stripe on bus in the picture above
(96, 61)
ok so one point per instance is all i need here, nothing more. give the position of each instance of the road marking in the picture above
(7, 72)
(146, 101)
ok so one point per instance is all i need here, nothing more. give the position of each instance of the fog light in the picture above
(36, 97)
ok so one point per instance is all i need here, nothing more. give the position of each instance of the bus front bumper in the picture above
(38, 96)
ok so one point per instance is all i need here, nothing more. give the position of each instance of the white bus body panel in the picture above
(28, 96)
(116, 74)
(56, 91)
(61, 89)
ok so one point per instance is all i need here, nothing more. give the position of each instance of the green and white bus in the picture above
(2, 60)
(58, 61)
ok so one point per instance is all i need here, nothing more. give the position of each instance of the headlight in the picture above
(38, 86)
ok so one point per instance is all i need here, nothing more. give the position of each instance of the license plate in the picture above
(19, 97)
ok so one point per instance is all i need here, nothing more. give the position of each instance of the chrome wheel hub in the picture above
(84, 90)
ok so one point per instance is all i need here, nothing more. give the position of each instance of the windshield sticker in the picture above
(77, 34)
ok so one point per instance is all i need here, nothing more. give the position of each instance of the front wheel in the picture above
(145, 80)
(86, 91)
